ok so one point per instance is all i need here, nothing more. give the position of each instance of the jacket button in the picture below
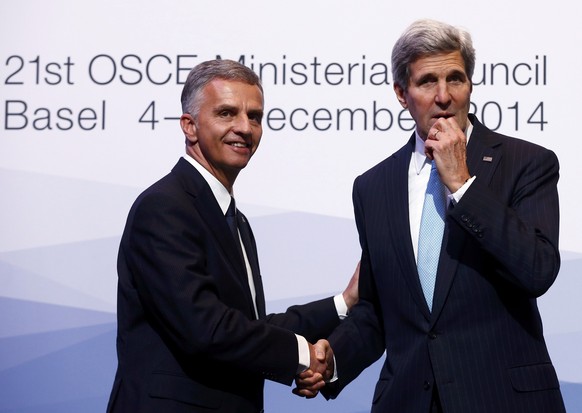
(432, 335)
(426, 385)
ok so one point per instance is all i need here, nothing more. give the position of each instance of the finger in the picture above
(429, 146)
(309, 381)
(433, 133)
(312, 387)
(305, 393)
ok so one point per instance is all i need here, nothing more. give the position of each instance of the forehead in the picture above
(233, 92)
(437, 63)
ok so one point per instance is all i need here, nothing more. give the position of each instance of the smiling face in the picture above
(438, 88)
(227, 130)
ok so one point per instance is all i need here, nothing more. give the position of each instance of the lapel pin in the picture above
(488, 159)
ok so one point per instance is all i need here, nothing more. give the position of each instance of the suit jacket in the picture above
(482, 345)
(188, 338)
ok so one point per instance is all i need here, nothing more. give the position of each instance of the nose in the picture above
(443, 95)
(242, 126)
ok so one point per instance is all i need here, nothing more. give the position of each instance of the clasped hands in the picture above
(321, 369)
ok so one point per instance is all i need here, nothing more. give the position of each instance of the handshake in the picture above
(320, 371)
(322, 365)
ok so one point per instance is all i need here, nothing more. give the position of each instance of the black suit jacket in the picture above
(188, 338)
(482, 346)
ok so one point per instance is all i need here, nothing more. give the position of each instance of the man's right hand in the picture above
(321, 369)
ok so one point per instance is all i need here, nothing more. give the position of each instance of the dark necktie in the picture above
(237, 222)
(231, 219)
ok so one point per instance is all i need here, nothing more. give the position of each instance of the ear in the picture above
(401, 96)
(189, 128)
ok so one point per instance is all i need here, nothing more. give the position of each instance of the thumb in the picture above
(319, 353)
(320, 350)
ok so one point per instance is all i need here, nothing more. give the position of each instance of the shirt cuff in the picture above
(303, 351)
(456, 197)
(334, 377)
(340, 306)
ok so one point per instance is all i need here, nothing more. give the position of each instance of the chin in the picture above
(239, 165)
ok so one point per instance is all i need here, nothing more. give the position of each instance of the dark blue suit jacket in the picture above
(188, 338)
(482, 346)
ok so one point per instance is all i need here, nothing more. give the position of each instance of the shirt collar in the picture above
(218, 190)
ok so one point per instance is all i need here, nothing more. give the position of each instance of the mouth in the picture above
(239, 144)
(444, 115)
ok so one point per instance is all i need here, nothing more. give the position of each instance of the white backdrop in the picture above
(81, 84)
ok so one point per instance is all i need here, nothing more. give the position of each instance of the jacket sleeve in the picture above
(514, 218)
(359, 340)
(314, 320)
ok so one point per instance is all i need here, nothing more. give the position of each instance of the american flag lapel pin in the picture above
(487, 159)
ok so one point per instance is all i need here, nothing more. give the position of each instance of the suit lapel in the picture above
(484, 152)
(212, 217)
(399, 212)
(483, 156)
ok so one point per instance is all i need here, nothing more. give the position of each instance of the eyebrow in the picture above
(235, 109)
(458, 73)
(225, 106)
(455, 72)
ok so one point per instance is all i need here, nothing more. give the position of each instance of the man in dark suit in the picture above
(193, 335)
(471, 339)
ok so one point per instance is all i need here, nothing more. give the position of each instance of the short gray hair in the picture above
(425, 38)
(206, 72)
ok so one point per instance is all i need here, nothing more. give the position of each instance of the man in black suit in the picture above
(465, 336)
(193, 335)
